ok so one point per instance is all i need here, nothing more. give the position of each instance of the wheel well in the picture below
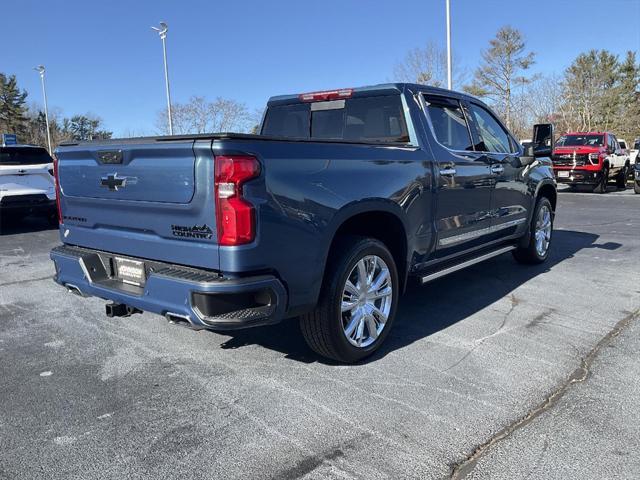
(549, 192)
(383, 226)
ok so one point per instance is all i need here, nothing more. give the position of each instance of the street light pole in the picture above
(40, 69)
(449, 80)
(162, 31)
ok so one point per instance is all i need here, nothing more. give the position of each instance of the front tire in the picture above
(601, 187)
(539, 237)
(357, 303)
(621, 179)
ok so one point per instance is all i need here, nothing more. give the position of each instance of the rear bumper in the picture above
(579, 177)
(204, 298)
(28, 206)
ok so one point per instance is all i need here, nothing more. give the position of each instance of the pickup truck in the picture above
(590, 158)
(26, 183)
(343, 198)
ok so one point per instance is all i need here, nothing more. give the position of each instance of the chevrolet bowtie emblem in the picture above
(113, 182)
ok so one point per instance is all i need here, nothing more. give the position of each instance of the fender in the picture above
(538, 186)
(370, 205)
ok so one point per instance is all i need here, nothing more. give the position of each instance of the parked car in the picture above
(623, 146)
(636, 178)
(591, 158)
(633, 153)
(26, 182)
(343, 198)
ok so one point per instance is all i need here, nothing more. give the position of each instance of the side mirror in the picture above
(543, 139)
(529, 156)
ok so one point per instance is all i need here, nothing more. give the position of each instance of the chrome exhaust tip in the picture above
(75, 290)
(181, 320)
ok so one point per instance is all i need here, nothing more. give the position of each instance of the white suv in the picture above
(27, 185)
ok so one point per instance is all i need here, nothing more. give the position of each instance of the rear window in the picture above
(24, 156)
(367, 119)
(580, 140)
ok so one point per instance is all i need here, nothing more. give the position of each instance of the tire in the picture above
(328, 330)
(531, 253)
(52, 219)
(621, 178)
(601, 187)
(636, 187)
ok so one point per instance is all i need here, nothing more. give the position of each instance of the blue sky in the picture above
(103, 58)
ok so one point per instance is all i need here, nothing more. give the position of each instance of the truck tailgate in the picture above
(148, 199)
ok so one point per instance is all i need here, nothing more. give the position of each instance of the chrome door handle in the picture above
(497, 169)
(449, 171)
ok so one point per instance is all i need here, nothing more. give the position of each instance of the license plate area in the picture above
(563, 174)
(130, 271)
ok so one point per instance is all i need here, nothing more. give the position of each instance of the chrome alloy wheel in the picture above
(543, 231)
(366, 301)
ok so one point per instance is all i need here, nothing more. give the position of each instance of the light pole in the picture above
(40, 69)
(162, 31)
(449, 80)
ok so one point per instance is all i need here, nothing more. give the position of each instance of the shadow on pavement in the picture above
(13, 224)
(581, 189)
(425, 310)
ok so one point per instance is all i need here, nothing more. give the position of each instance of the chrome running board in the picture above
(468, 263)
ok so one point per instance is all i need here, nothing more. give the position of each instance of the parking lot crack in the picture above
(464, 467)
(515, 301)
(26, 280)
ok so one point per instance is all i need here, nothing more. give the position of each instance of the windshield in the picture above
(24, 156)
(580, 140)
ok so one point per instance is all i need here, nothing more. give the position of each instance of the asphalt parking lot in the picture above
(499, 371)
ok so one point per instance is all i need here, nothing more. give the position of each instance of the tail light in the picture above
(235, 216)
(327, 95)
(56, 179)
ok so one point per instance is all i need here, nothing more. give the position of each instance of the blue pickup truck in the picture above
(343, 198)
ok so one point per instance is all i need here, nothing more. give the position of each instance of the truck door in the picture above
(463, 177)
(510, 199)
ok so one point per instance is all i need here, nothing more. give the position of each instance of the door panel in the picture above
(464, 201)
(463, 178)
(510, 198)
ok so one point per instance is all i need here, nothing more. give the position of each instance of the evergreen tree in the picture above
(627, 123)
(502, 68)
(13, 108)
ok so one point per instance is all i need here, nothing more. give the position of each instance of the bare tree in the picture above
(201, 116)
(500, 72)
(426, 65)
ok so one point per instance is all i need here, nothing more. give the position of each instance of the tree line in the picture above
(598, 91)
(28, 122)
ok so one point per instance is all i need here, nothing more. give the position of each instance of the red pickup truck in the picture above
(591, 158)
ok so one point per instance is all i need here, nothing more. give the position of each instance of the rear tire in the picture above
(540, 232)
(52, 218)
(349, 307)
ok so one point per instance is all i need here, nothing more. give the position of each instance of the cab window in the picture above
(449, 122)
(493, 136)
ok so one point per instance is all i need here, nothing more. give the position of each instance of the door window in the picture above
(493, 136)
(449, 122)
